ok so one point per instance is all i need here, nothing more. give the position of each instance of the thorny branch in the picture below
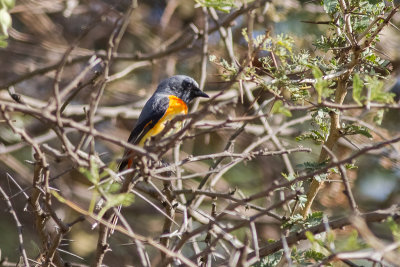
(200, 219)
(19, 226)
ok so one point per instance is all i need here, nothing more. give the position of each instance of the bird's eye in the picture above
(187, 85)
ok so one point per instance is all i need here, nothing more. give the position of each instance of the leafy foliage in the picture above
(321, 85)
(278, 108)
(351, 243)
(297, 222)
(306, 257)
(271, 260)
(105, 189)
(377, 93)
(322, 125)
(351, 129)
(298, 257)
(342, 74)
(331, 6)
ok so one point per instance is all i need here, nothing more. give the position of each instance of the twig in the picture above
(19, 227)
(77, 126)
(335, 224)
(345, 180)
(184, 42)
(113, 43)
(125, 231)
(227, 154)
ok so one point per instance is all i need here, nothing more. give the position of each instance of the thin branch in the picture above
(345, 179)
(335, 224)
(19, 226)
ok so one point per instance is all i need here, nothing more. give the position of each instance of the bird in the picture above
(170, 99)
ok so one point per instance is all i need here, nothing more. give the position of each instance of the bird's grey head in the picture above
(182, 86)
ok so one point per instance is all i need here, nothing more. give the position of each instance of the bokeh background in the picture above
(43, 30)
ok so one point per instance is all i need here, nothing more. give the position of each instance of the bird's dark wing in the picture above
(152, 112)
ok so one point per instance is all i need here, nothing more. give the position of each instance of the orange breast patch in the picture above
(176, 106)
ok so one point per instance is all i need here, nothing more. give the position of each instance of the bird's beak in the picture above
(199, 93)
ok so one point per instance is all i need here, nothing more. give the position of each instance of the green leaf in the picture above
(289, 177)
(124, 199)
(5, 21)
(212, 58)
(311, 166)
(315, 255)
(221, 5)
(93, 174)
(357, 89)
(310, 236)
(9, 4)
(330, 6)
(302, 200)
(315, 218)
(316, 72)
(379, 116)
(314, 135)
(245, 35)
(376, 88)
(110, 186)
(352, 242)
(321, 85)
(271, 260)
(333, 170)
(371, 57)
(283, 46)
(3, 41)
(321, 177)
(394, 228)
(278, 108)
(352, 129)
(350, 166)
(88, 175)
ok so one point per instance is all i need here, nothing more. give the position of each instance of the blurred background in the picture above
(43, 30)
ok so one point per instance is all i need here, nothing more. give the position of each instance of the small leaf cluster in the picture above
(350, 64)
(307, 257)
(352, 129)
(279, 108)
(278, 61)
(370, 89)
(297, 187)
(298, 257)
(105, 189)
(321, 124)
(221, 5)
(296, 222)
(271, 260)
(229, 70)
(5, 20)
